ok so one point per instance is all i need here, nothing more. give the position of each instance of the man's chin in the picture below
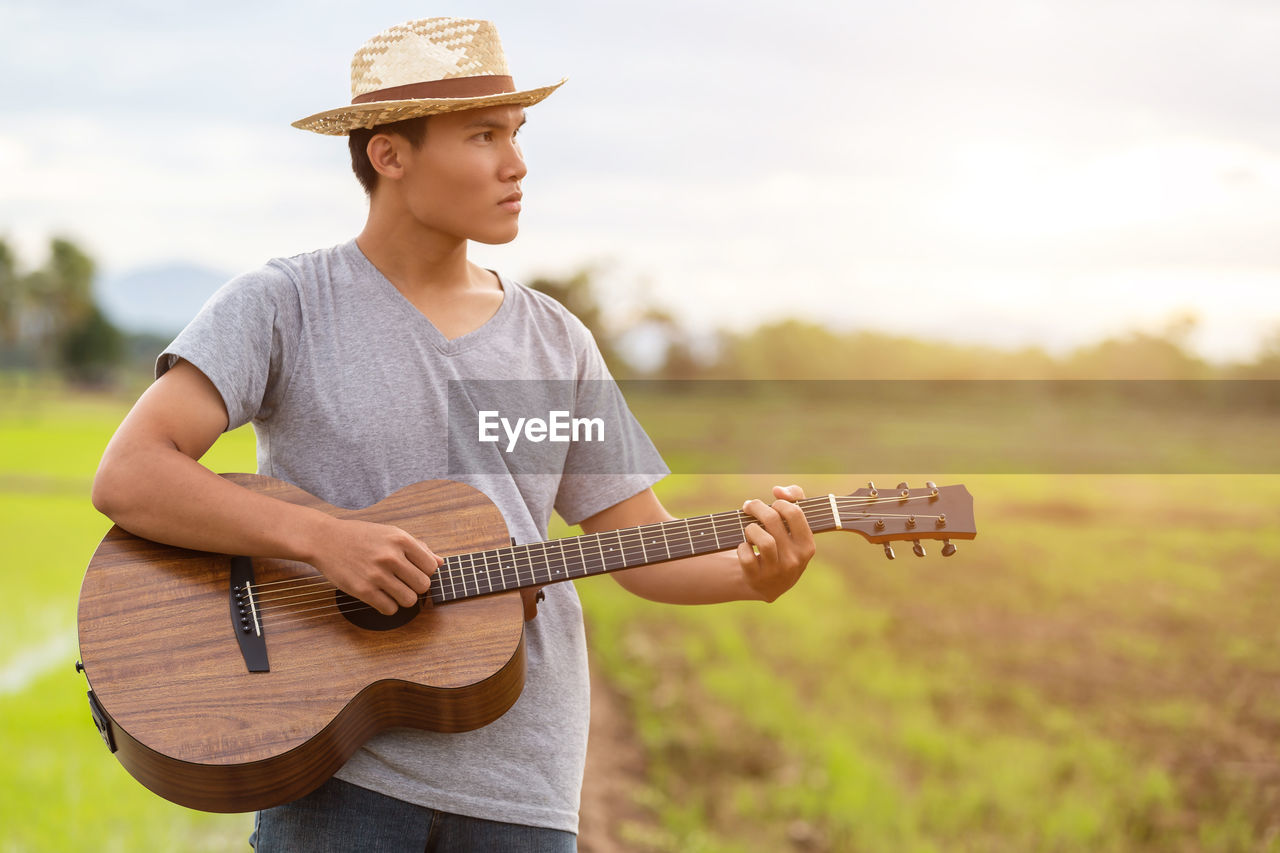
(495, 239)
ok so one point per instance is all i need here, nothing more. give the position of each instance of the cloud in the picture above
(978, 160)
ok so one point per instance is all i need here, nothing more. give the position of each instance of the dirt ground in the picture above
(615, 769)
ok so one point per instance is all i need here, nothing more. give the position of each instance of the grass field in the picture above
(1099, 670)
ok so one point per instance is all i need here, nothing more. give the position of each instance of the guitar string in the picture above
(715, 519)
(268, 591)
(272, 601)
(325, 589)
(324, 600)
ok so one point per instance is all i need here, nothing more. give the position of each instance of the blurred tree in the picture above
(48, 317)
(11, 296)
(799, 349)
(89, 350)
(65, 284)
(1142, 355)
(1266, 364)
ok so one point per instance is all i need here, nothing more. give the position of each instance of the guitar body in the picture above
(187, 718)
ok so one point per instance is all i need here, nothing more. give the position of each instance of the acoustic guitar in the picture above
(231, 684)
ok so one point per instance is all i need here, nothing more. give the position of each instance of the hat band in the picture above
(454, 87)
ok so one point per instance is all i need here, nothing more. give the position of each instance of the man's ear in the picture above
(384, 155)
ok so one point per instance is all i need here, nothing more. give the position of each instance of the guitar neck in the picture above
(539, 563)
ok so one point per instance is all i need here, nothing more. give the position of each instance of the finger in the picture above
(396, 588)
(406, 595)
(788, 493)
(401, 580)
(766, 515)
(765, 545)
(422, 556)
(377, 598)
(795, 520)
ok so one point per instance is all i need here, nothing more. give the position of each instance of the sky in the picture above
(1014, 173)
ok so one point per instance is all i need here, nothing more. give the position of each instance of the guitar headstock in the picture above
(904, 513)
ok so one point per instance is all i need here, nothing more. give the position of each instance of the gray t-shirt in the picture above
(348, 387)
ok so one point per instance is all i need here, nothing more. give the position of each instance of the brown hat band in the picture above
(453, 87)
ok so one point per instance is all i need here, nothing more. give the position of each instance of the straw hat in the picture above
(420, 68)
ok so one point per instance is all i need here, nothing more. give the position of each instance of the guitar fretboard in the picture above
(537, 563)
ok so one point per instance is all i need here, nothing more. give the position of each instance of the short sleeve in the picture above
(242, 340)
(598, 475)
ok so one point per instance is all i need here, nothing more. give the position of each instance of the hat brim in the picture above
(343, 120)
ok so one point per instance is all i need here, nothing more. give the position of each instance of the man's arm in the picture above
(151, 484)
(781, 535)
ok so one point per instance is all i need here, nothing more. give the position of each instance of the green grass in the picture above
(1096, 671)
(1058, 685)
(62, 790)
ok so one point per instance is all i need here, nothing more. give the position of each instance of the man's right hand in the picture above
(381, 565)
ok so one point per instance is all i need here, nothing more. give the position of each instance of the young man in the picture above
(342, 360)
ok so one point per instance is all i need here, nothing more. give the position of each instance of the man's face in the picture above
(464, 180)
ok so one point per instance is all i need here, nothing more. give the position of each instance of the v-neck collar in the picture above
(397, 302)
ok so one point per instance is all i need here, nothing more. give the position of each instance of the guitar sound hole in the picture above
(363, 616)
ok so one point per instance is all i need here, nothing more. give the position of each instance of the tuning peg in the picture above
(947, 548)
(933, 489)
(871, 488)
(917, 549)
(888, 551)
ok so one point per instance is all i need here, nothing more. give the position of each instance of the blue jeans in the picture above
(339, 817)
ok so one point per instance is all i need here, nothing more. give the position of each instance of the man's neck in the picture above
(432, 272)
(417, 262)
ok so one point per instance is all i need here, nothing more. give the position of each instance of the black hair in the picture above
(414, 130)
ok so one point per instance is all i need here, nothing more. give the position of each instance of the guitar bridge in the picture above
(246, 621)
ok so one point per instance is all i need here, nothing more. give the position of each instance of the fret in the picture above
(509, 568)
(453, 569)
(457, 586)
(459, 580)
(463, 571)
(703, 527)
(468, 572)
(682, 545)
(447, 573)
(437, 589)
(556, 566)
(590, 554)
(536, 562)
(573, 562)
(521, 560)
(631, 546)
(611, 554)
(471, 581)
(492, 565)
(495, 568)
(653, 535)
(729, 529)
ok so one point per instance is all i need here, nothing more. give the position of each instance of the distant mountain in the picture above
(160, 299)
